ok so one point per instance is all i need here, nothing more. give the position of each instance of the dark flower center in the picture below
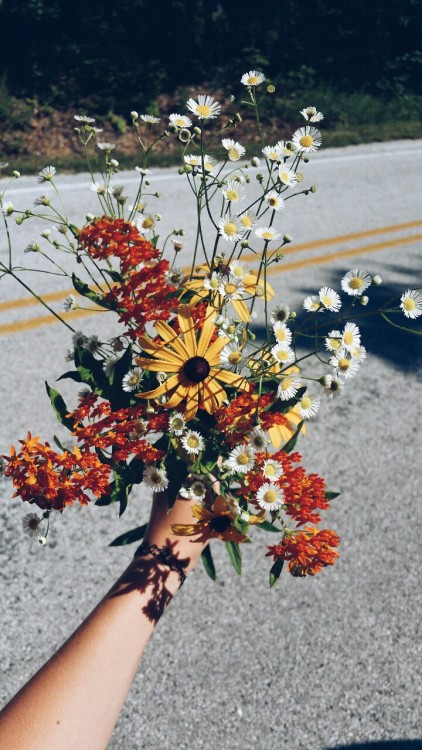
(221, 523)
(196, 369)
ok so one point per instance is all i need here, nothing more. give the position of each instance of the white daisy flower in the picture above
(231, 357)
(279, 314)
(155, 479)
(273, 153)
(230, 228)
(411, 303)
(192, 160)
(232, 192)
(283, 355)
(241, 459)
(258, 439)
(84, 119)
(237, 269)
(180, 121)
(193, 442)
(145, 223)
(132, 380)
(142, 171)
(7, 208)
(150, 119)
(334, 341)
(287, 388)
(212, 283)
(355, 282)
(351, 336)
(69, 303)
(106, 146)
(287, 176)
(308, 405)
(311, 114)
(46, 174)
(109, 365)
(333, 387)
(231, 288)
(252, 78)
(247, 220)
(344, 365)
(31, 524)
(267, 233)
(231, 329)
(177, 423)
(79, 339)
(235, 150)
(284, 149)
(197, 490)
(177, 245)
(358, 353)
(270, 496)
(209, 163)
(313, 304)
(282, 333)
(205, 108)
(274, 201)
(307, 139)
(272, 469)
(329, 299)
(100, 188)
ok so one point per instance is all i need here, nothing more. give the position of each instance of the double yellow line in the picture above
(276, 269)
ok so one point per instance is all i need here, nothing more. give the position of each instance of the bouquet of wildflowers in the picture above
(188, 398)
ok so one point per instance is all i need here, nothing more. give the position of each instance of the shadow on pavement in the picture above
(384, 745)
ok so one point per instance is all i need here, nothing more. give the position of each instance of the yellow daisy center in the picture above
(197, 490)
(355, 283)
(230, 229)
(180, 122)
(232, 195)
(348, 337)
(134, 379)
(192, 441)
(204, 110)
(273, 155)
(409, 304)
(269, 471)
(233, 153)
(282, 355)
(306, 141)
(177, 424)
(208, 165)
(243, 459)
(336, 343)
(267, 235)
(326, 300)
(253, 80)
(235, 358)
(306, 402)
(237, 271)
(147, 223)
(214, 283)
(344, 364)
(270, 496)
(229, 288)
(285, 384)
(284, 176)
(246, 221)
(281, 335)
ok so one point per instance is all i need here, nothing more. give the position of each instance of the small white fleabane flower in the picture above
(358, 353)
(106, 146)
(79, 339)
(329, 299)
(69, 303)
(333, 387)
(142, 171)
(206, 108)
(313, 304)
(231, 357)
(307, 139)
(252, 78)
(355, 282)
(150, 119)
(192, 160)
(230, 228)
(270, 496)
(84, 119)
(231, 288)
(308, 405)
(155, 479)
(177, 423)
(132, 380)
(180, 121)
(287, 176)
(272, 469)
(31, 524)
(258, 439)
(209, 163)
(344, 365)
(274, 201)
(267, 233)
(145, 223)
(283, 355)
(279, 314)
(247, 220)
(109, 365)
(234, 149)
(8, 208)
(175, 276)
(411, 303)
(334, 341)
(273, 153)
(237, 269)
(282, 333)
(193, 442)
(284, 149)
(42, 200)
(287, 388)
(212, 283)
(311, 114)
(351, 336)
(232, 192)
(241, 459)
(100, 188)
(46, 174)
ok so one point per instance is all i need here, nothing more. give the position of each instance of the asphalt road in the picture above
(316, 663)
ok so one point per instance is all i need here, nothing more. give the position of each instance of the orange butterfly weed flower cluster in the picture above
(307, 552)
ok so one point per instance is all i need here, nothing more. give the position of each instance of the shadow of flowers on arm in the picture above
(150, 577)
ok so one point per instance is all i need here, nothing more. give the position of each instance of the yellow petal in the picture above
(216, 389)
(241, 310)
(164, 388)
(192, 401)
(201, 513)
(160, 351)
(154, 366)
(181, 529)
(238, 381)
(180, 393)
(213, 353)
(172, 339)
(207, 331)
(188, 329)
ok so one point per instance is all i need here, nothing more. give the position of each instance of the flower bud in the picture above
(181, 170)
(185, 135)
(187, 169)
(134, 115)
(377, 279)
(313, 189)
(238, 117)
(16, 174)
(158, 217)
(270, 88)
(364, 300)
(89, 217)
(244, 243)
(114, 163)
(255, 161)
(46, 233)
(259, 177)
(197, 130)
(157, 194)
(305, 159)
(287, 238)
(172, 128)
(279, 256)
(292, 315)
(182, 232)
(19, 220)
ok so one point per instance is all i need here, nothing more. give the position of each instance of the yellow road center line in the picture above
(49, 319)
(54, 296)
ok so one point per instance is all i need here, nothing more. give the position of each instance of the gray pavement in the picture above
(316, 663)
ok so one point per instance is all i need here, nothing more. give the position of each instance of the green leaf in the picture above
(72, 374)
(332, 495)
(91, 371)
(267, 526)
(293, 440)
(60, 407)
(275, 572)
(118, 397)
(177, 472)
(82, 288)
(208, 562)
(129, 536)
(115, 275)
(235, 556)
(58, 443)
